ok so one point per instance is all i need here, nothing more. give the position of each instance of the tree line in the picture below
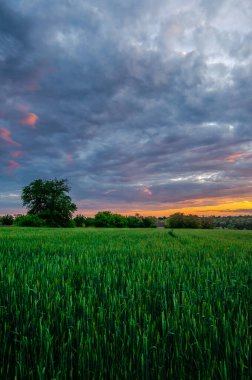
(110, 220)
(101, 219)
(49, 204)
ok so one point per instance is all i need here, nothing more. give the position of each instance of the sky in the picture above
(144, 106)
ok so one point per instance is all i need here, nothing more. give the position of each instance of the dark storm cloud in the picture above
(138, 102)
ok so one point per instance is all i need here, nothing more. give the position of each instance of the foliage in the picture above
(79, 221)
(108, 219)
(149, 222)
(125, 304)
(89, 222)
(70, 224)
(7, 220)
(134, 222)
(180, 220)
(192, 221)
(30, 220)
(241, 222)
(176, 220)
(104, 219)
(119, 221)
(48, 200)
(207, 222)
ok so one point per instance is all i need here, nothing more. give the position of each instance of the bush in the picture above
(7, 220)
(179, 220)
(176, 221)
(104, 219)
(134, 222)
(89, 222)
(119, 221)
(70, 224)
(30, 220)
(149, 222)
(79, 221)
(207, 222)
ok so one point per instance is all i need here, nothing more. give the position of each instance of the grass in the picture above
(125, 304)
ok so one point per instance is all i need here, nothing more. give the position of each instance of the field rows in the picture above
(125, 304)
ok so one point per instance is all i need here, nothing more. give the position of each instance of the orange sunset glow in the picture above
(229, 208)
(30, 120)
(199, 207)
(234, 157)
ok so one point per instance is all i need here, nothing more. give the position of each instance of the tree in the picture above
(119, 221)
(176, 220)
(207, 222)
(179, 220)
(30, 221)
(191, 221)
(149, 222)
(135, 221)
(80, 221)
(104, 219)
(49, 201)
(7, 220)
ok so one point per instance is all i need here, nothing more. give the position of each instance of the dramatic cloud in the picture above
(142, 105)
(5, 135)
(30, 119)
(12, 165)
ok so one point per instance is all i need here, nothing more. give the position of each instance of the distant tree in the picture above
(30, 220)
(192, 221)
(238, 222)
(134, 222)
(49, 201)
(179, 220)
(107, 219)
(149, 222)
(80, 221)
(7, 220)
(104, 219)
(89, 222)
(176, 220)
(119, 221)
(207, 222)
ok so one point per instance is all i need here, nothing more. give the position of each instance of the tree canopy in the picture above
(49, 200)
(180, 220)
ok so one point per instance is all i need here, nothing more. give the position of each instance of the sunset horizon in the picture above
(125, 189)
(237, 208)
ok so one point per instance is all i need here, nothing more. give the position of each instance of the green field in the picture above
(125, 304)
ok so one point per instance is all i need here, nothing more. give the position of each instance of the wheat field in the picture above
(125, 304)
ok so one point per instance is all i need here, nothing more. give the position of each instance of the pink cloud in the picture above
(234, 157)
(12, 165)
(5, 135)
(30, 119)
(146, 190)
(17, 153)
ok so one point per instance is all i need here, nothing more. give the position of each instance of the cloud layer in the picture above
(144, 105)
